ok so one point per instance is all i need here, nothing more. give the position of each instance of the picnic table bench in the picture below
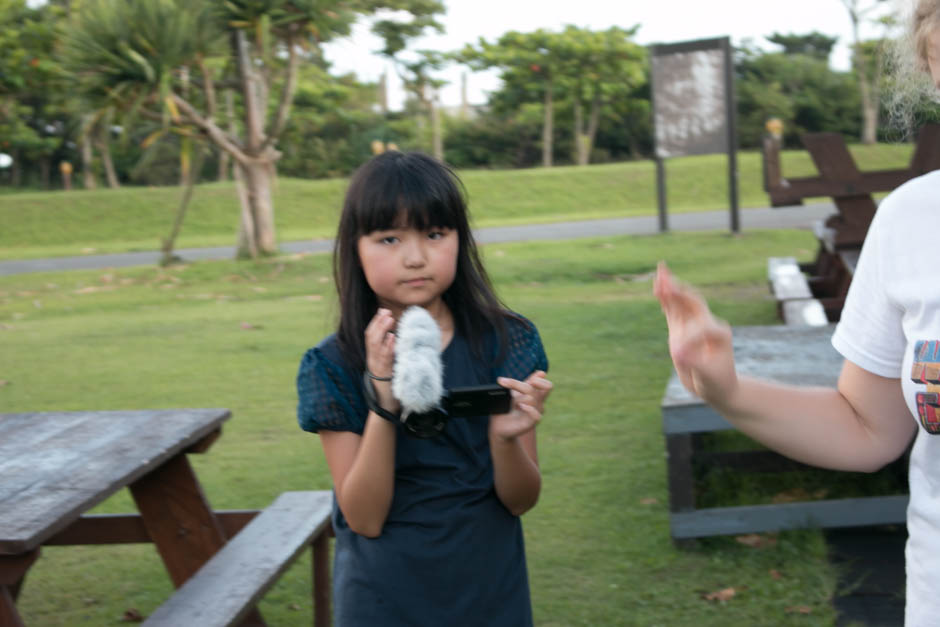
(798, 355)
(225, 589)
(841, 235)
(58, 465)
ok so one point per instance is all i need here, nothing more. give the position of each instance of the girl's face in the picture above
(405, 266)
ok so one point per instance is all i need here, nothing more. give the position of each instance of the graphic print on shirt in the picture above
(926, 370)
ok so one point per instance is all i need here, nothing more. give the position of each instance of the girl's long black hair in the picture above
(425, 193)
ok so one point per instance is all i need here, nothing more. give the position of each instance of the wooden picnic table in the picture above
(787, 354)
(55, 466)
(842, 234)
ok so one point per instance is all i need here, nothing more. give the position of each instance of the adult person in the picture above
(889, 335)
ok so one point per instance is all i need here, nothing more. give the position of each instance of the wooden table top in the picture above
(54, 466)
(783, 353)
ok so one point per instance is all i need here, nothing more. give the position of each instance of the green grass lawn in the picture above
(226, 334)
(53, 224)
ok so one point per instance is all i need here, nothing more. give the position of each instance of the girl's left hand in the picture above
(528, 405)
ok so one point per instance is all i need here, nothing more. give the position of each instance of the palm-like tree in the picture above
(166, 59)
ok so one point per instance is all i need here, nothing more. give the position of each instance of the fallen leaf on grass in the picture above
(756, 540)
(799, 609)
(649, 501)
(132, 615)
(294, 606)
(775, 574)
(247, 326)
(4, 383)
(725, 594)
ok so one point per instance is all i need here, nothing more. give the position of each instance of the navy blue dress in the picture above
(450, 553)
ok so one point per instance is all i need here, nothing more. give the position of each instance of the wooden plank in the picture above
(130, 528)
(857, 512)
(825, 235)
(849, 258)
(778, 265)
(791, 286)
(60, 464)
(9, 617)
(322, 613)
(178, 518)
(831, 157)
(13, 567)
(926, 157)
(238, 576)
(807, 312)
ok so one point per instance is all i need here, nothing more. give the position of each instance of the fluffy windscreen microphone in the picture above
(418, 375)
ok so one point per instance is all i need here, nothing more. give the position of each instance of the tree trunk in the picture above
(225, 159)
(168, 257)
(45, 172)
(256, 176)
(88, 174)
(104, 149)
(578, 133)
(547, 126)
(865, 88)
(593, 121)
(16, 171)
(256, 235)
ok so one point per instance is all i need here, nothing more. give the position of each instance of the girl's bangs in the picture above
(408, 201)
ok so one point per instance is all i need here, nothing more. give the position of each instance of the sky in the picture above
(661, 21)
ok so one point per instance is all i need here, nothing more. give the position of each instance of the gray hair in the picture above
(910, 86)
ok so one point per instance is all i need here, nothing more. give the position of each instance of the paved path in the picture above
(759, 218)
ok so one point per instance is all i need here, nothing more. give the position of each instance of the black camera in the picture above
(459, 402)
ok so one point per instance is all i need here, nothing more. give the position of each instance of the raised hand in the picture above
(699, 344)
(380, 355)
(528, 405)
(380, 343)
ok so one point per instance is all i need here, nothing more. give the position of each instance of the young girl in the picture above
(427, 530)
(889, 334)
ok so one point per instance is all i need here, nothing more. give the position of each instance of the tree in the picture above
(801, 90)
(530, 63)
(417, 80)
(33, 116)
(814, 44)
(868, 74)
(597, 68)
(138, 54)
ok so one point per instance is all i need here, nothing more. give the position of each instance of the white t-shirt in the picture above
(890, 326)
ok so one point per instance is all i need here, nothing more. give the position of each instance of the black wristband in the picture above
(372, 400)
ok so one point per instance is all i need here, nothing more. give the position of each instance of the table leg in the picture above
(321, 581)
(180, 522)
(12, 572)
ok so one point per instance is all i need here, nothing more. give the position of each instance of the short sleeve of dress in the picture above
(525, 353)
(329, 397)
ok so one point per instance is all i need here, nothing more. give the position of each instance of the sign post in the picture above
(694, 110)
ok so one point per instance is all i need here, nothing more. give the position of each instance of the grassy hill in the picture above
(49, 224)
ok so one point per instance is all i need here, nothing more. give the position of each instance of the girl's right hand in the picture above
(380, 344)
(699, 344)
